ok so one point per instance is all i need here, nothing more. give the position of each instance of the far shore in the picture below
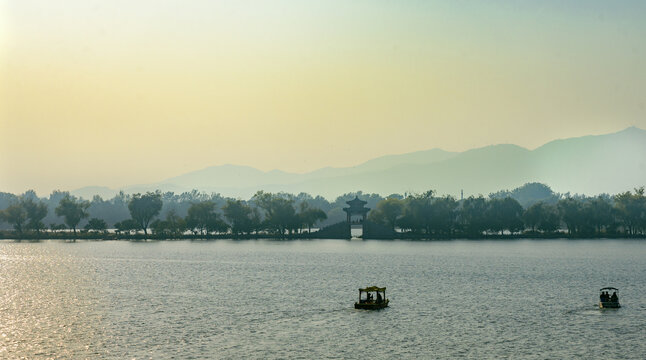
(98, 236)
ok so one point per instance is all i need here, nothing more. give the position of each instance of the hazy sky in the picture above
(123, 92)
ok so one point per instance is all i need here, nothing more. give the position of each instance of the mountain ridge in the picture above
(590, 164)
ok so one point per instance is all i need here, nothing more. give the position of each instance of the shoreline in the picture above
(403, 236)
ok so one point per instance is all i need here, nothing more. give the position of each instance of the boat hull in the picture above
(371, 306)
(609, 305)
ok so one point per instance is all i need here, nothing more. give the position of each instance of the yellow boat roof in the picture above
(373, 288)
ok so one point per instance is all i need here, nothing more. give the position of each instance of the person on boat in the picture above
(369, 297)
(379, 299)
(614, 297)
(602, 297)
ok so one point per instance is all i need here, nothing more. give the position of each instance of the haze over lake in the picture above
(272, 299)
(173, 174)
(585, 165)
(102, 93)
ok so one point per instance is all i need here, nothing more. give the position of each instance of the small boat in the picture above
(370, 302)
(607, 301)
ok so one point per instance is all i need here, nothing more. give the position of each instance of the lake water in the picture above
(271, 299)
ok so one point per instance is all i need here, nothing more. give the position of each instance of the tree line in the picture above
(531, 209)
(116, 209)
(426, 214)
(265, 212)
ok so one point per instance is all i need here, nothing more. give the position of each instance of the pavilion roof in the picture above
(356, 202)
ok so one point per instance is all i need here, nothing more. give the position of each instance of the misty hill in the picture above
(241, 177)
(386, 162)
(233, 176)
(590, 165)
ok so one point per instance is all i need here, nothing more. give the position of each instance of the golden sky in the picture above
(116, 93)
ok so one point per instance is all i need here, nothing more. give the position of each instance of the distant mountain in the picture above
(474, 170)
(386, 162)
(244, 181)
(227, 176)
(594, 164)
(591, 165)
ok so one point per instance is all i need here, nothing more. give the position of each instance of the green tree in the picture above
(173, 225)
(96, 224)
(143, 208)
(631, 210)
(36, 212)
(126, 226)
(202, 217)
(542, 216)
(72, 210)
(428, 214)
(443, 215)
(16, 215)
(533, 215)
(57, 227)
(504, 214)
(6, 199)
(599, 214)
(551, 220)
(388, 212)
(473, 215)
(159, 227)
(280, 214)
(309, 216)
(242, 217)
(417, 213)
(571, 212)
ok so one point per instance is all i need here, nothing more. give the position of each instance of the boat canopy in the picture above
(373, 288)
(608, 288)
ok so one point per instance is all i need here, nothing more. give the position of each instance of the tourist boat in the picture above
(608, 302)
(370, 302)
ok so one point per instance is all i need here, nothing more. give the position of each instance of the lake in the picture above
(294, 299)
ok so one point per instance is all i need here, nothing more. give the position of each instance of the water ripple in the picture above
(255, 299)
